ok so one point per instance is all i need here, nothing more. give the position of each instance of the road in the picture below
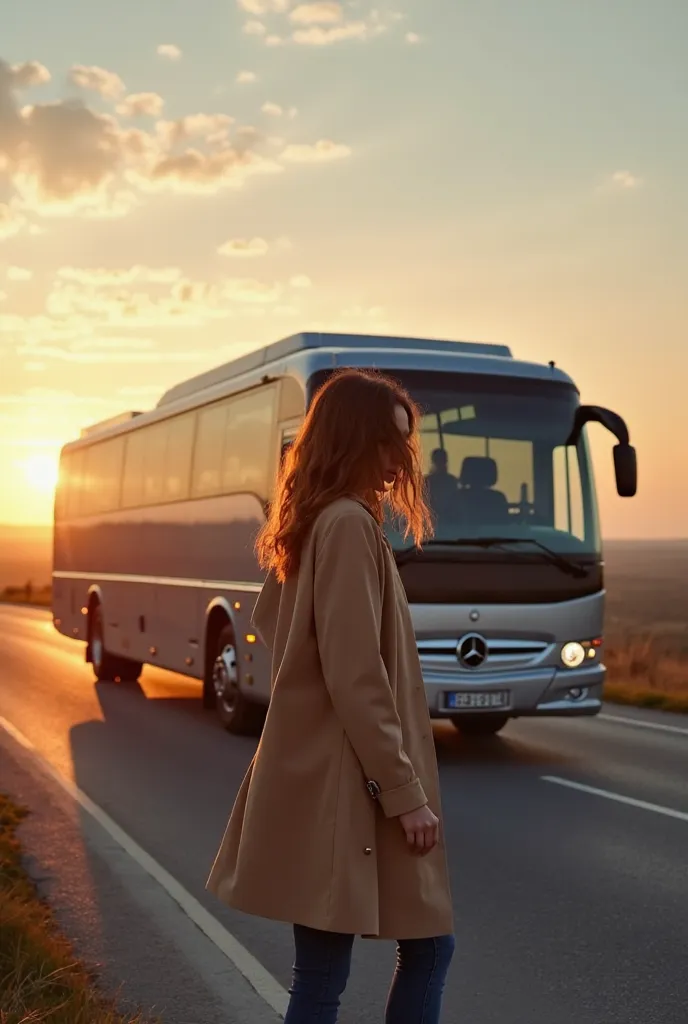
(571, 903)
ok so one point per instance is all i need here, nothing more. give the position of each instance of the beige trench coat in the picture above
(306, 842)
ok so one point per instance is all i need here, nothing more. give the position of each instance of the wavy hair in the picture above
(337, 453)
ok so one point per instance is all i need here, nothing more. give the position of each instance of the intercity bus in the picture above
(156, 515)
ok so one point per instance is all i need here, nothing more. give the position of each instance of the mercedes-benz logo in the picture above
(472, 651)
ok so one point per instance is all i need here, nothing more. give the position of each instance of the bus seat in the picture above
(479, 502)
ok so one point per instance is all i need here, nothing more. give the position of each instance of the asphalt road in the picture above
(571, 904)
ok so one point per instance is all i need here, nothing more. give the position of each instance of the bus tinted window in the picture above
(76, 483)
(209, 449)
(155, 444)
(103, 477)
(292, 403)
(249, 447)
(132, 483)
(178, 456)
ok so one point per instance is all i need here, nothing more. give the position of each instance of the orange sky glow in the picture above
(173, 200)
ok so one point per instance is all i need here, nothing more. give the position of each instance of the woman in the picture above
(336, 825)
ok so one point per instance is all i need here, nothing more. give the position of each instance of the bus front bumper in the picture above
(542, 691)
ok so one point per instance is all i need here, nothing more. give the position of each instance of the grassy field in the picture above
(40, 978)
(647, 624)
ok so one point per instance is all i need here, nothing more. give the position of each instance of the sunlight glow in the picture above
(40, 472)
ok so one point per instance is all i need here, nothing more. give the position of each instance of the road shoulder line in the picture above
(669, 812)
(640, 724)
(260, 980)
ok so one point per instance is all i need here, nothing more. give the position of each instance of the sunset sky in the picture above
(185, 182)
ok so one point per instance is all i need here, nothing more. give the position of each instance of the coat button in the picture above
(368, 851)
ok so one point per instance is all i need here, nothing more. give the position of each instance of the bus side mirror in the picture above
(626, 470)
(625, 458)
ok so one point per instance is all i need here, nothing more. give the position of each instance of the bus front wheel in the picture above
(479, 725)
(239, 715)
(108, 667)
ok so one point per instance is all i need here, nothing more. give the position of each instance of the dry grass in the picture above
(647, 624)
(40, 596)
(40, 978)
(643, 674)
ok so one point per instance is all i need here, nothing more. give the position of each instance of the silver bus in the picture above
(156, 515)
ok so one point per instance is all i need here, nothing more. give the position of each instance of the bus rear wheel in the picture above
(238, 714)
(479, 725)
(108, 667)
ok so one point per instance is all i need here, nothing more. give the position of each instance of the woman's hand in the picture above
(422, 829)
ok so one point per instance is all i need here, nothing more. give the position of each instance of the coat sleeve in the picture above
(348, 615)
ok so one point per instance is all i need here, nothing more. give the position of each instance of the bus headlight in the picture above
(573, 654)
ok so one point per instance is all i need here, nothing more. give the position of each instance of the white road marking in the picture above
(670, 812)
(659, 726)
(267, 987)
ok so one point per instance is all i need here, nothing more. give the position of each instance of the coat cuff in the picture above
(403, 799)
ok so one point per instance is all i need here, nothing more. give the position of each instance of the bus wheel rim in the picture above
(226, 677)
(97, 649)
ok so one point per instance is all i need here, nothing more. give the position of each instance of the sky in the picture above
(183, 182)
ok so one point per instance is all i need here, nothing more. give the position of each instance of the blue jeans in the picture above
(321, 971)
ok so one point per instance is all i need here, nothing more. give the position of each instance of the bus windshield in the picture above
(497, 463)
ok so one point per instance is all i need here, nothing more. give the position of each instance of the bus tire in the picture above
(108, 667)
(479, 725)
(238, 714)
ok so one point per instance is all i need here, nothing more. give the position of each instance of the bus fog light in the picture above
(573, 654)
(577, 693)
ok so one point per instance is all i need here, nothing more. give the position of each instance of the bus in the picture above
(156, 514)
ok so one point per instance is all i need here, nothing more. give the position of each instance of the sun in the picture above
(40, 472)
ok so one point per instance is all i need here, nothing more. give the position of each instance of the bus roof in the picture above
(303, 355)
(265, 357)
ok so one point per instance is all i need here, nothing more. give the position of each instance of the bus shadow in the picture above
(117, 700)
(453, 748)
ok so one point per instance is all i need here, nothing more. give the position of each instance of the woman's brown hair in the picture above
(338, 452)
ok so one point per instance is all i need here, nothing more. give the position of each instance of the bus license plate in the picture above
(483, 699)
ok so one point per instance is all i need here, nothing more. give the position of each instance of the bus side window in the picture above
(208, 451)
(132, 483)
(249, 451)
(180, 440)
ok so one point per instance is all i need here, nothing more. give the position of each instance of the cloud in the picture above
(274, 40)
(244, 248)
(169, 50)
(272, 109)
(141, 104)
(255, 28)
(317, 36)
(106, 83)
(259, 7)
(320, 152)
(101, 277)
(11, 221)
(412, 38)
(625, 180)
(211, 127)
(301, 281)
(194, 171)
(19, 274)
(250, 290)
(29, 74)
(327, 12)
(63, 158)
(116, 356)
(187, 303)
(246, 77)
